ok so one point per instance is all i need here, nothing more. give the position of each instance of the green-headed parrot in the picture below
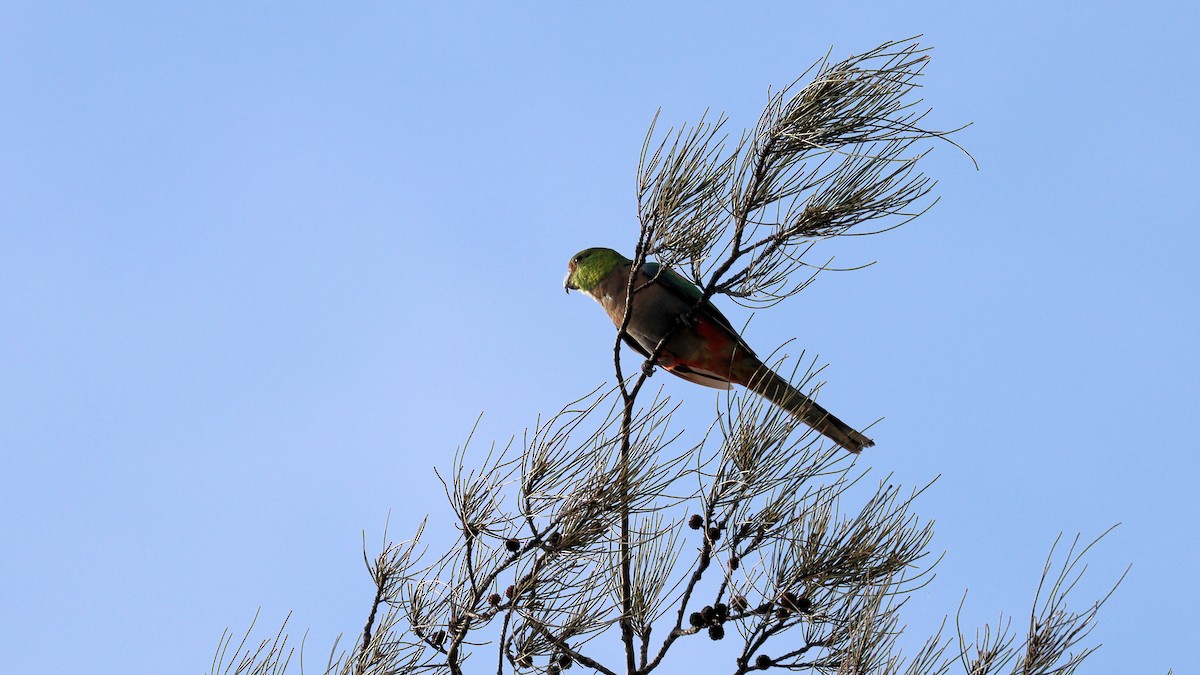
(706, 349)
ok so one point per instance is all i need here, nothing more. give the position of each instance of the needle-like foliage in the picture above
(609, 538)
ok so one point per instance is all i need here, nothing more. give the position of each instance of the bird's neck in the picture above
(611, 291)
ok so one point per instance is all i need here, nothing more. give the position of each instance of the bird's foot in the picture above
(647, 368)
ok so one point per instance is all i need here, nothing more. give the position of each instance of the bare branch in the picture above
(606, 530)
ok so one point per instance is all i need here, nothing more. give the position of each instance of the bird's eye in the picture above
(579, 258)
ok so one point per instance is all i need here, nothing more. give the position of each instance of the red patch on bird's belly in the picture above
(711, 332)
(717, 352)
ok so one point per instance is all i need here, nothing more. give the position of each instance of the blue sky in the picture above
(261, 267)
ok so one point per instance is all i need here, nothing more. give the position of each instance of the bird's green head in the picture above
(590, 266)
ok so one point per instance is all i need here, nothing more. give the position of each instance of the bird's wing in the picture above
(635, 345)
(681, 287)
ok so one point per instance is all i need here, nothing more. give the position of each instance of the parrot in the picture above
(705, 349)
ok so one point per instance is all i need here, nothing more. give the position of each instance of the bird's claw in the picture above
(647, 368)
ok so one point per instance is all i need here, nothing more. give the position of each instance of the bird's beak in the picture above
(567, 285)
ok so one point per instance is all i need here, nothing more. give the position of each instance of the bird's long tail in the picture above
(777, 390)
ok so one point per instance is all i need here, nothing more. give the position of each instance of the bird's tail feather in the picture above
(777, 390)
